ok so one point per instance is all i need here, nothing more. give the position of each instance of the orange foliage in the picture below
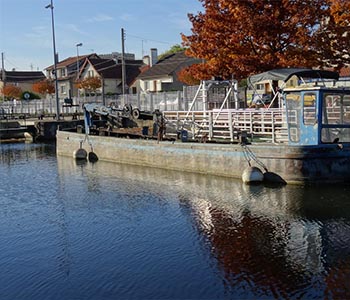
(240, 38)
(185, 75)
(89, 84)
(340, 10)
(11, 91)
(44, 87)
(335, 34)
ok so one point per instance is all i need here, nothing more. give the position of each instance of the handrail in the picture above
(227, 125)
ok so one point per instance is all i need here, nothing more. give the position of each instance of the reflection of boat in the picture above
(265, 243)
(12, 130)
(304, 140)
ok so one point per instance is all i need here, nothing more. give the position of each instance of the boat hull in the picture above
(294, 164)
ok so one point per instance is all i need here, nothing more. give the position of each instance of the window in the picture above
(63, 89)
(146, 85)
(260, 86)
(63, 72)
(91, 73)
(336, 109)
(309, 109)
(336, 118)
(293, 115)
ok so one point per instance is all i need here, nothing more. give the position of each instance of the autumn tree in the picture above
(90, 84)
(44, 87)
(335, 33)
(10, 91)
(186, 76)
(236, 37)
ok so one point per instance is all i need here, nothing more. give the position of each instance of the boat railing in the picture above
(268, 125)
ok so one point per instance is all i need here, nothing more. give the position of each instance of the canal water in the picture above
(73, 230)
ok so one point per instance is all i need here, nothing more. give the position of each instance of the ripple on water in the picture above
(109, 231)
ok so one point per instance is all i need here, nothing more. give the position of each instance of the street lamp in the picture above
(78, 45)
(55, 60)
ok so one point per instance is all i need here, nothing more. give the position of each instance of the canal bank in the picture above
(33, 129)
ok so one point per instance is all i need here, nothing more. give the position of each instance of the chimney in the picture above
(154, 56)
(146, 60)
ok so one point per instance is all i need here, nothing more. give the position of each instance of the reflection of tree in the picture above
(338, 280)
(285, 242)
(248, 252)
(277, 255)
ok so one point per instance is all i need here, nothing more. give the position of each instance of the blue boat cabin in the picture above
(317, 115)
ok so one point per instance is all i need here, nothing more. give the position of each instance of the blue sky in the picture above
(26, 34)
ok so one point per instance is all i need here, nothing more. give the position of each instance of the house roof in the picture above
(169, 65)
(72, 60)
(109, 69)
(23, 76)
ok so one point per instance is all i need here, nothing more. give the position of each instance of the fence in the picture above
(164, 101)
(265, 125)
(148, 102)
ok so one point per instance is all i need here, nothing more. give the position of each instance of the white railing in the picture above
(264, 124)
(143, 101)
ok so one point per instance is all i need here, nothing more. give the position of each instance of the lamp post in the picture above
(78, 45)
(55, 60)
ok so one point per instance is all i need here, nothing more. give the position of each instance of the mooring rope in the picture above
(86, 139)
(249, 155)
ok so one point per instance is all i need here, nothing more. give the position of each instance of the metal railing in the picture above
(143, 101)
(264, 125)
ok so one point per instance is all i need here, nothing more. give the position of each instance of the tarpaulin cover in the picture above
(285, 74)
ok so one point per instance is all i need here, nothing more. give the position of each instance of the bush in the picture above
(32, 95)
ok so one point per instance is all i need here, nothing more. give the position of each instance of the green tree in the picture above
(174, 49)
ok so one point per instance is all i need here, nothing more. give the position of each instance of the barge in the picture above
(306, 139)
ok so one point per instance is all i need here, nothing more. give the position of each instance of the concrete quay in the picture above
(39, 130)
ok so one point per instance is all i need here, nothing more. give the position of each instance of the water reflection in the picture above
(279, 242)
(12, 153)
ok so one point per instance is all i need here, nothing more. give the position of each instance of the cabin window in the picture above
(309, 109)
(335, 112)
(336, 109)
(293, 103)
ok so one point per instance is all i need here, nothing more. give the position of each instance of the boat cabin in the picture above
(317, 113)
